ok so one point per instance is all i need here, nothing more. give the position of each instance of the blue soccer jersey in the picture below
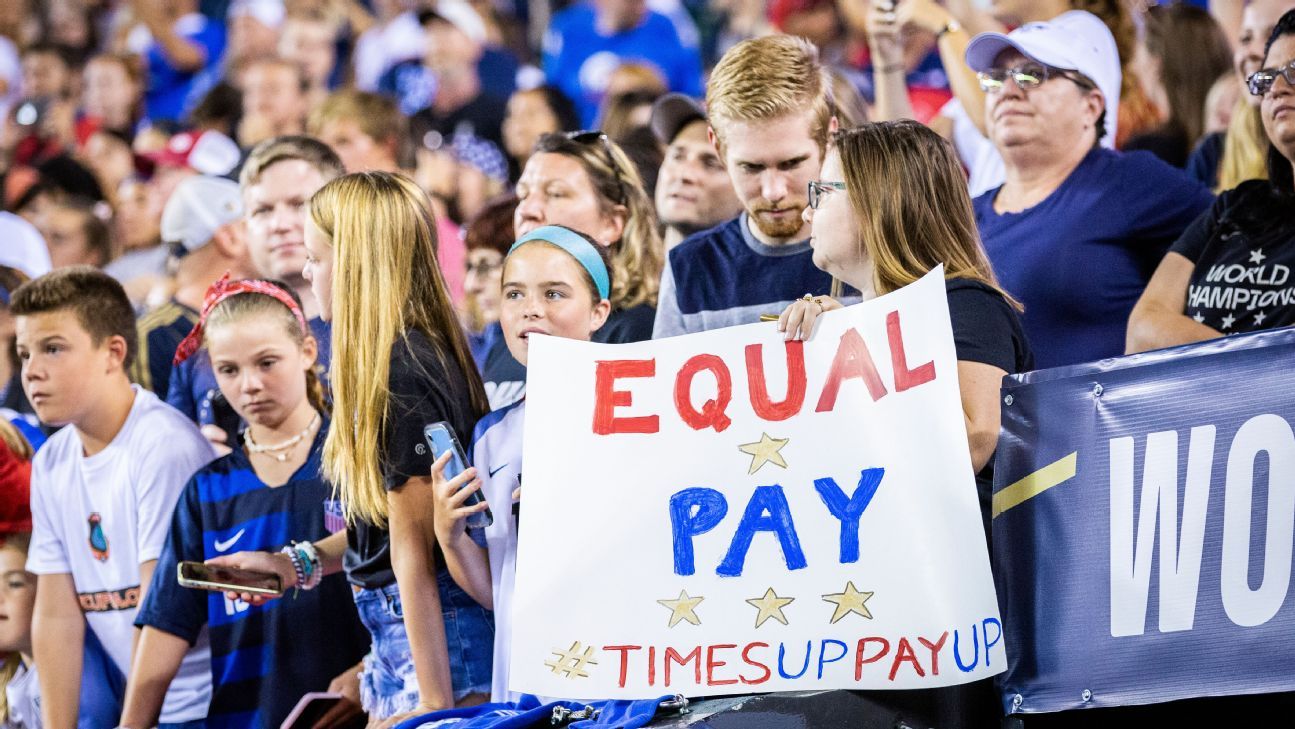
(263, 659)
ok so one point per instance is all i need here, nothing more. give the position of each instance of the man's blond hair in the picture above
(770, 77)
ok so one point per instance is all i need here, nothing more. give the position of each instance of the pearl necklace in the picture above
(279, 450)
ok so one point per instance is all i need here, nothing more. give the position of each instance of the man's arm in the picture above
(58, 639)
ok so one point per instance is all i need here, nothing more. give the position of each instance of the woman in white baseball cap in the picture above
(1075, 230)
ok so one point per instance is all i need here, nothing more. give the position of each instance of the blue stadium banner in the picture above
(1144, 519)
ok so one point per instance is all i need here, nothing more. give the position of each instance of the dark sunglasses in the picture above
(1261, 81)
(1027, 76)
(595, 137)
(818, 187)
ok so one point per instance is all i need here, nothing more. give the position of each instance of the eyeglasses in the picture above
(588, 137)
(484, 268)
(1027, 76)
(818, 187)
(1261, 81)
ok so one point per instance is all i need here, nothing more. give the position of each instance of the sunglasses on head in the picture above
(1027, 75)
(1261, 81)
(595, 137)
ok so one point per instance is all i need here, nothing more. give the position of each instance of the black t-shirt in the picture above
(425, 386)
(482, 117)
(627, 325)
(1244, 250)
(988, 330)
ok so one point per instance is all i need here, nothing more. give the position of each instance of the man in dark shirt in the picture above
(760, 261)
(449, 80)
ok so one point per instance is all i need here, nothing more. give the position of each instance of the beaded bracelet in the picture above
(310, 563)
(297, 564)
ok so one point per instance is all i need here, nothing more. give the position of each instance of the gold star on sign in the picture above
(849, 601)
(682, 608)
(765, 450)
(770, 606)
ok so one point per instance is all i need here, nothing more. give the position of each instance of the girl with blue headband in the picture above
(555, 282)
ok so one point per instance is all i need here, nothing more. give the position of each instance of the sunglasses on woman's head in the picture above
(1261, 81)
(592, 137)
(1026, 76)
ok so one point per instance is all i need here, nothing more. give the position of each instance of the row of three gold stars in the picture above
(770, 605)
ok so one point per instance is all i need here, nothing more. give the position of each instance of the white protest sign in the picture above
(694, 525)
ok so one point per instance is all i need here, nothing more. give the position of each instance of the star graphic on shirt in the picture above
(682, 608)
(849, 600)
(1257, 256)
(1199, 318)
(770, 606)
(765, 450)
(1259, 318)
(1228, 321)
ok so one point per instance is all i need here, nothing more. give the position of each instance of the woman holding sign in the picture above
(556, 282)
(892, 204)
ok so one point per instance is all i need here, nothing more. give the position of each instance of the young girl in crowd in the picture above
(101, 683)
(259, 496)
(400, 362)
(555, 282)
(17, 585)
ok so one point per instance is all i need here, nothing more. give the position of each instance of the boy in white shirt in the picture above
(102, 488)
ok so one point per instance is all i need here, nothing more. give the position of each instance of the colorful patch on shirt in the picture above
(98, 542)
(334, 519)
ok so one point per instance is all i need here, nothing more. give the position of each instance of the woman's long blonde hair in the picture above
(386, 281)
(1245, 148)
(909, 196)
(639, 256)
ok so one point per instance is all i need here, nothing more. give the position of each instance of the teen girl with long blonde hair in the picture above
(400, 362)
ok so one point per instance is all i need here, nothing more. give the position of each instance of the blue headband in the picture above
(579, 248)
(4, 295)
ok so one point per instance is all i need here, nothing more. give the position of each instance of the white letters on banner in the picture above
(728, 513)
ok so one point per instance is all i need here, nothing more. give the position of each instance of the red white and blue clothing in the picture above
(263, 658)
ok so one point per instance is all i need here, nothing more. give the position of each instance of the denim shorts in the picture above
(388, 684)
